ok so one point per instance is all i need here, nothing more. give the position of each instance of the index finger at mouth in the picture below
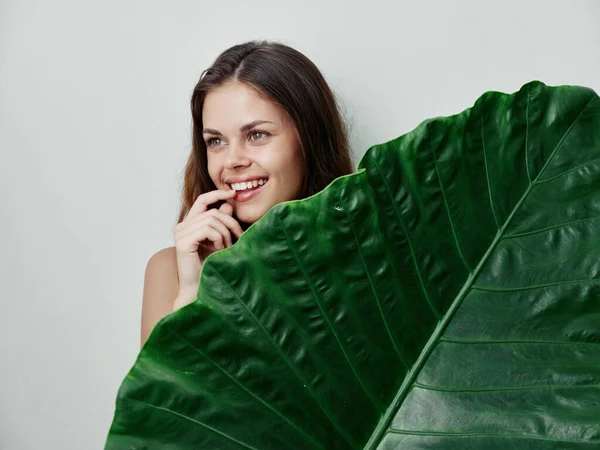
(203, 201)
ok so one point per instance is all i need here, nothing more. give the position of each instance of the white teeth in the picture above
(247, 185)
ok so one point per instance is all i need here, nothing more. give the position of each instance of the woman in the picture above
(266, 129)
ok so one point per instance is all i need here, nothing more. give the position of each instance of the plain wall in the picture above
(95, 132)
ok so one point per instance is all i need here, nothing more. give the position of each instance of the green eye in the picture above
(211, 143)
(254, 133)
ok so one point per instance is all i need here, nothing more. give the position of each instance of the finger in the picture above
(203, 201)
(201, 236)
(224, 230)
(228, 220)
(216, 219)
(226, 208)
(212, 234)
(217, 224)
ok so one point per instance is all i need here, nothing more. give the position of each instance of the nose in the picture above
(236, 156)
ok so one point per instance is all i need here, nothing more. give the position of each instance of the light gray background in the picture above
(95, 132)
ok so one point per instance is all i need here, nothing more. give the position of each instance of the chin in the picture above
(249, 215)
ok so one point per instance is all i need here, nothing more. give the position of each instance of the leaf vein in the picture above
(248, 391)
(512, 341)
(541, 230)
(408, 240)
(458, 246)
(562, 139)
(487, 177)
(527, 136)
(329, 324)
(529, 288)
(289, 364)
(579, 166)
(372, 285)
(499, 435)
(197, 422)
(506, 389)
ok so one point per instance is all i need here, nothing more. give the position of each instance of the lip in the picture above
(244, 196)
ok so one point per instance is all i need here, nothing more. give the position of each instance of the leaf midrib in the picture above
(386, 419)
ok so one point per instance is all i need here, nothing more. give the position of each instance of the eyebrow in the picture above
(243, 129)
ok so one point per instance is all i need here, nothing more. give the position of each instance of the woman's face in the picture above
(252, 148)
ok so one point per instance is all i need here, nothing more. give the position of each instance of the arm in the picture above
(161, 287)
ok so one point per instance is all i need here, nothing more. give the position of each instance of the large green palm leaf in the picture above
(446, 296)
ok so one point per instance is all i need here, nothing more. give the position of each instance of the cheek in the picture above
(213, 168)
(297, 166)
(292, 171)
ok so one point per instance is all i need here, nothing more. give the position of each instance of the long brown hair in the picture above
(289, 79)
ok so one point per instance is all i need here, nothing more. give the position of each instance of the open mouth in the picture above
(248, 186)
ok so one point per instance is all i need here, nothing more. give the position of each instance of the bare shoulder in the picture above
(162, 269)
(162, 265)
(165, 252)
(161, 285)
(165, 258)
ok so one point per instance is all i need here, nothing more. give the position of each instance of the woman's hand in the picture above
(209, 228)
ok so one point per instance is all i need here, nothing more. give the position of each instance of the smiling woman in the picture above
(247, 151)
(266, 129)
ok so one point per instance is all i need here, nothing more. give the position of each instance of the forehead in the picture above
(236, 102)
